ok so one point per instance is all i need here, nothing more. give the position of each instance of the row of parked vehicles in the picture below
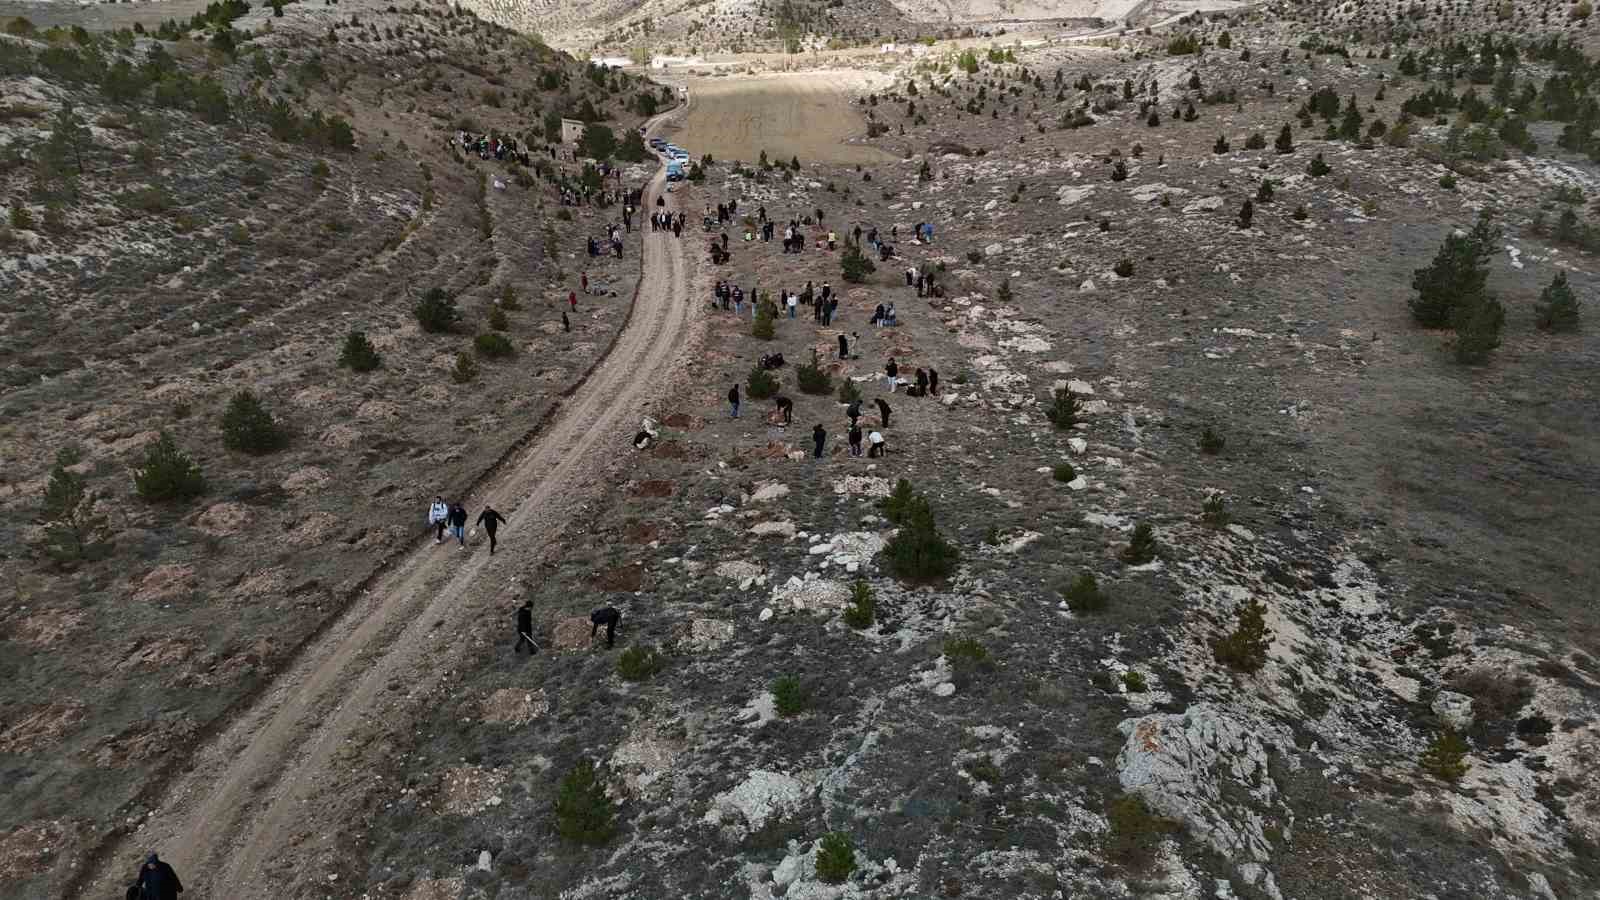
(676, 157)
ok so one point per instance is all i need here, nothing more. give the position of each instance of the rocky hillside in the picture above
(214, 208)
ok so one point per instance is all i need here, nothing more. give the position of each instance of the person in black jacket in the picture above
(785, 406)
(733, 402)
(820, 436)
(933, 382)
(458, 524)
(158, 881)
(525, 628)
(609, 617)
(844, 346)
(883, 411)
(490, 519)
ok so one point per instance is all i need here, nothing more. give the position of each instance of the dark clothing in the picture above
(933, 382)
(844, 347)
(883, 411)
(820, 436)
(565, 325)
(525, 630)
(490, 519)
(609, 617)
(733, 395)
(853, 411)
(457, 517)
(855, 439)
(787, 407)
(158, 881)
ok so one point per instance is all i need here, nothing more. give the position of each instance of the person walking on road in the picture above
(437, 514)
(157, 880)
(525, 628)
(490, 519)
(609, 617)
(733, 402)
(458, 525)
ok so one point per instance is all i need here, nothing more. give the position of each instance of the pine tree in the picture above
(854, 264)
(1477, 324)
(358, 354)
(1350, 125)
(1247, 212)
(765, 324)
(1245, 648)
(1141, 546)
(247, 426)
(1558, 306)
(1004, 293)
(1065, 411)
(72, 530)
(1221, 146)
(1264, 192)
(167, 473)
(584, 812)
(1446, 756)
(63, 152)
(1457, 275)
(1318, 168)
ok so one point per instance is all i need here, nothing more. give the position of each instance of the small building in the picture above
(571, 131)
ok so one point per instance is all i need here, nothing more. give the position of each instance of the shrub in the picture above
(765, 324)
(1134, 682)
(967, 657)
(1318, 167)
(1285, 141)
(466, 369)
(1141, 546)
(1214, 511)
(248, 427)
(1065, 410)
(498, 320)
(1398, 136)
(508, 299)
(1083, 595)
(974, 256)
(493, 345)
(1447, 181)
(836, 858)
(584, 813)
(1456, 277)
(848, 392)
(1004, 294)
(1221, 146)
(168, 473)
(1124, 266)
(639, 663)
(917, 552)
(1245, 648)
(1300, 214)
(1477, 326)
(1136, 832)
(863, 608)
(1063, 472)
(813, 378)
(1558, 306)
(21, 218)
(855, 265)
(1119, 171)
(72, 531)
(1446, 757)
(1256, 141)
(1211, 443)
(761, 384)
(1264, 192)
(1247, 214)
(790, 697)
(436, 312)
(358, 354)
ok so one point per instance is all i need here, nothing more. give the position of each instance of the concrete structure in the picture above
(611, 62)
(571, 131)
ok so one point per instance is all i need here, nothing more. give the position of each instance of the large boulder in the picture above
(1208, 770)
(1453, 709)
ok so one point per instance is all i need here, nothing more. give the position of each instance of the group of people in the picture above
(453, 516)
(823, 304)
(608, 616)
(492, 146)
(666, 221)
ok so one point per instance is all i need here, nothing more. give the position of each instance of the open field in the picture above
(807, 114)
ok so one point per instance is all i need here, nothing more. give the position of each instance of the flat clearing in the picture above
(786, 115)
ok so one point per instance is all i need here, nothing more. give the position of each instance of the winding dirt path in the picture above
(249, 791)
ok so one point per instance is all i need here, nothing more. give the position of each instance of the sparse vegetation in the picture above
(1558, 306)
(1214, 511)
(1063, 472)
(1065, 409)
(761, 385)
(1446, 757)
(813, 378)
(73, 529)
(863, 608)
(918, 552)
(1136, 832)
(493, 345)
(436, 312)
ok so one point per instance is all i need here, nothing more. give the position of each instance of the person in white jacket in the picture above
(438, 513)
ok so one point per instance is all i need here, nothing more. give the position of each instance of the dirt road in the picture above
(252, 789)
